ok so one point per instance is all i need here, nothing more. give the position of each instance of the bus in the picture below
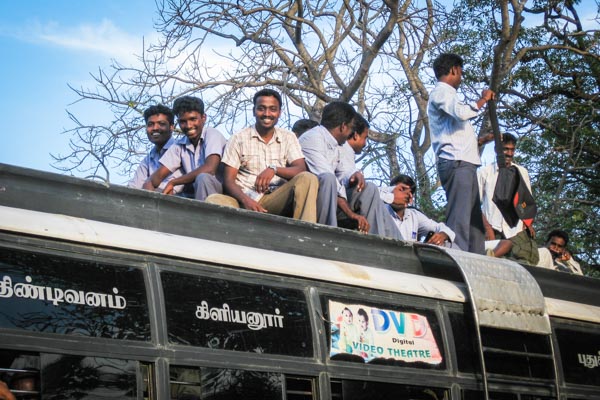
(108, 292)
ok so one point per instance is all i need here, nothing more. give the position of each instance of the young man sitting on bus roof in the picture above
(341, 187)
(265, 169)
(553, 256)
(412, 223)
(160, 122)
(198, 154)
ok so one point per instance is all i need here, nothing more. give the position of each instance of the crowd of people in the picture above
(310, 173)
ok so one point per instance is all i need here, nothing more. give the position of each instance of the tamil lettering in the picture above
(56, 296)
(589, 360)
(254, 320)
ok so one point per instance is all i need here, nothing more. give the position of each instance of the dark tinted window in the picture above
(230, 315)
(21, 372)
(53, 376)
(519, 354)
(224, 384)
(477, 395)
(364, 332)
(362, 390)
(465, 341)
(78, 377)
(52, 294)
(580, 355)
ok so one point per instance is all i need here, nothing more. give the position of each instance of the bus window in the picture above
(67, 376)
(21, 372)
(196, 383)
(580, 353)
(344, 389)
(383, 334)
(477, 395)
(463, 331)
(49, 376)
(231, 315)
(516, 353)
(147, 378)
(59, 295)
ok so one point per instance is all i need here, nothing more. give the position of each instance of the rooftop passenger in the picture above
(302, 125)
(495, 225)
(198, 154)
(412, 223)
(554, 255)
(160, 122)
(265, 170)
(342, 195)
(455, 145)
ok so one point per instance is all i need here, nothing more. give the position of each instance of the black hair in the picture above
(444, 63)
(188, 103)
(559, 233)
(360, 124)
(159, 109)
(509, 138)
(302, 125)
(337, 113)
(407, 180)
(267, 93)
(363, 313)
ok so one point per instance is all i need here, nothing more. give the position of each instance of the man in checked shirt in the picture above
(265, 169)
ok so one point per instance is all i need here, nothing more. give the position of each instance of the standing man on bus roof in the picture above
(456, 149)
(265, 170)
(198, 154)
(359, 200)
(495, 226)
(160, 122)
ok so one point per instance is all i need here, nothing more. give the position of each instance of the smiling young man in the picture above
(264, 166)
(160, 122)
(198, 154)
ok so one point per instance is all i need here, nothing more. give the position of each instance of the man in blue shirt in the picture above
(456, 148)
(198, 154)
(340, 190)
(160, 122)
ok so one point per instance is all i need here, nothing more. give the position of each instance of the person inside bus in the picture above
(197, 155)
(412, 223)
(302, 125)
(5, 393)
(265, 170)
(342, 193)
(160, 122)
(26, 385)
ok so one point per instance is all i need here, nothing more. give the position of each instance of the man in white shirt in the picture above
(556, 256)
(456, 148)
(412, 223)
(495, 226)
(343, 191)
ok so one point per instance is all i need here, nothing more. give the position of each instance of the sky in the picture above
(47, 46)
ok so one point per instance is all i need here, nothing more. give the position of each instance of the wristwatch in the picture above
(273, 167)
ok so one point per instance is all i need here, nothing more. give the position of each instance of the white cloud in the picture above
(104, 38)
